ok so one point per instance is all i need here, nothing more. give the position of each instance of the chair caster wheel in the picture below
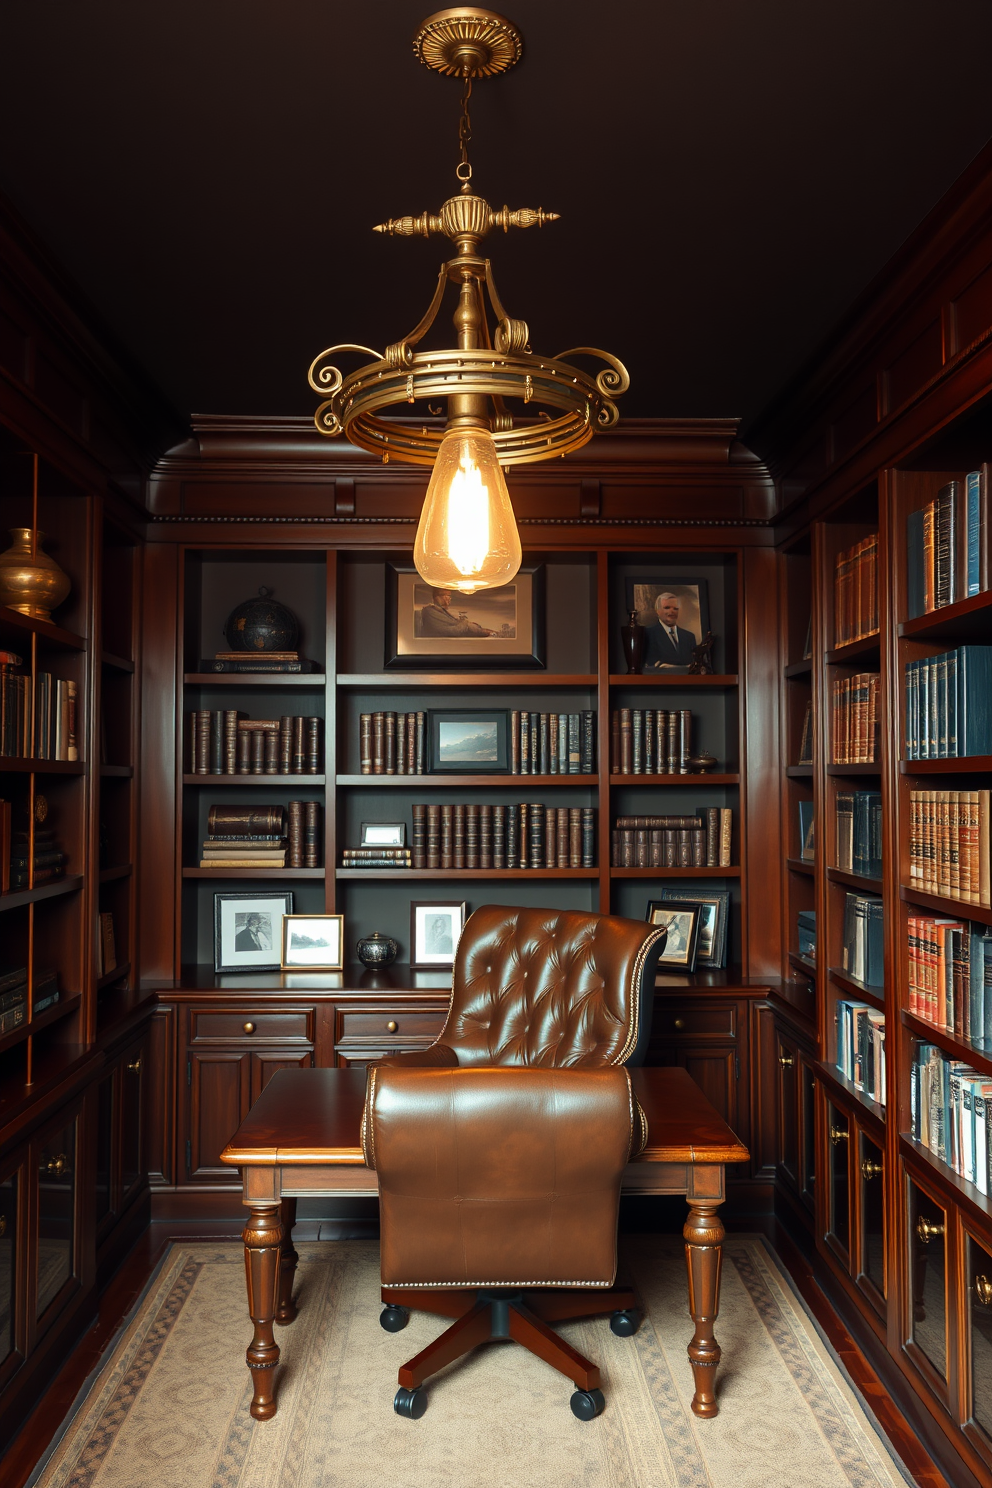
(393, 1319)
(626, 1324)
(586, 1404)
(413, 1403)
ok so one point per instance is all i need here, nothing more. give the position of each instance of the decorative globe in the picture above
(377, 950)
(262, 624)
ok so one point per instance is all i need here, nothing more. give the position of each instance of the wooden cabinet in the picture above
(708, 1038)
(365, 1033)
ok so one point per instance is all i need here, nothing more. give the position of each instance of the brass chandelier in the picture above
(467, 538)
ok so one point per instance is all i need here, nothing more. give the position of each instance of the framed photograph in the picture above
(473, 742)
(682, 919)
(711, 950)
(676, 615)
(435, 929)
(312, 942)
(383, 834)
(437, 628)
(248, 930)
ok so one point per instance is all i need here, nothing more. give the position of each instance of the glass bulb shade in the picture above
(467, 538)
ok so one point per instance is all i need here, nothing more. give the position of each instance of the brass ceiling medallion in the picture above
(562, 404)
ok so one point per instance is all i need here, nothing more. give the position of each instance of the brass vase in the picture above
(31, 582)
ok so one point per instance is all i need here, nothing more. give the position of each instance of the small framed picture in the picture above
(676, 616)
(312, 942)
(247, 930)
(384, 834)
(711, 950)
(440, 628)
(682, 920)
(475, 742)
(435, 929)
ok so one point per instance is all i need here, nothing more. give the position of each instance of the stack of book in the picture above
(244, 837)
(37, 714)
(861, 949)
(950, 977)
(947, 546)
(948, 701)
(377, 857)
(393, 743)
(14, 997)
(951, 1113)
(855, 719)
(699, 841)
(49, 859)
(861, 1047)
(859, 832)
(552, 743)
(650, 741)
(523, 835)
(856, 591)
(257, 661)
(949, 844)
(226, 742)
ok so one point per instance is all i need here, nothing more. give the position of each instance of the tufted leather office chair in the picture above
(500, 1149)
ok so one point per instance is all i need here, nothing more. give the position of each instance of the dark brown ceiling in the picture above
(730, 174)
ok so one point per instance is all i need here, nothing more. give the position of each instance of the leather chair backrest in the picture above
(498, 1176)
(556, 988)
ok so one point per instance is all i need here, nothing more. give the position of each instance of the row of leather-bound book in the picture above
(699, 841)
(650, 741)
(227, 742)
(521, 835)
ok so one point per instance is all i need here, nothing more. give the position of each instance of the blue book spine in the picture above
(875, 835)
(933, 710)
(923, 722)
(976, 990)
(940, 669)
(974, 700)
(874, 965)
(952, 705)
(973, 550)
(910, 699)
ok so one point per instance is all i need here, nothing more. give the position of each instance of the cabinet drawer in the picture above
(282, 1026)
(677, 1021)
(388, 1023)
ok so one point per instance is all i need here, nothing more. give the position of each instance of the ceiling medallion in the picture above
(467, 537)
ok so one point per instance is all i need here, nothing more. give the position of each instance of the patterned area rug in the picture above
(169, 1406)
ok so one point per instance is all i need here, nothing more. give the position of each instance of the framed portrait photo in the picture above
(675, 614)
(312, 942)
(682, 921)
(435, 930)
(441, 628)
(473, 742)
(711, 950)
(248, 930)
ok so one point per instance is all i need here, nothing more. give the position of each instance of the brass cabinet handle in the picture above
(248, 1027)
(392, 1026)
(679, 1022)
(982, 1286)
(134, 1068)
(55, 1166)
(870, 1169)
(927, 1230)
(839, 1134)
(786, 1061)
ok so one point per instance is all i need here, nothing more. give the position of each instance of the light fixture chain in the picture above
(463, 170)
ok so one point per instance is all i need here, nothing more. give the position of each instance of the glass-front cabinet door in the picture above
(839, 1191)
(871, 1178)
(55, 1255)
(978, 1322)
(10, 1192)
(928, 1278)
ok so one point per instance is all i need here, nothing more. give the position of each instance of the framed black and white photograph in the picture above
(435, 929)
(675, 614)
(440, 628)
(248, 930)
(383, 834)
(312, 942)
(682, 921)
(473, 742)
(714, 918)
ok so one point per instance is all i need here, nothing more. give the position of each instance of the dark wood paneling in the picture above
(160, 1096)
(158, 887)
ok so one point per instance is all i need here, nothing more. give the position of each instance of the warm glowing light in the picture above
(467, 538)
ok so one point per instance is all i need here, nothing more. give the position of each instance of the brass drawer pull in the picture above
(679, 1022)
(839, 1134)
(786, 1061)
(392, 1026)
(982, 1286)
(927, 1230)
(134, 1068)
(870, 1169)
(55, 1166)
(248, 1027)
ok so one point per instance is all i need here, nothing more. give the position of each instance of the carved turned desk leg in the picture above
(703, 1238)
(286, 1307)
(263, 1236)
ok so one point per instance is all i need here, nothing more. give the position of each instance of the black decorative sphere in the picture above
(262, 625)
(377, 950)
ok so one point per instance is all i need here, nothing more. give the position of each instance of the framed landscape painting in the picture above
(441, 628)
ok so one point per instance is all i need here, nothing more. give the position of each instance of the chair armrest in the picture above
(437, 1056)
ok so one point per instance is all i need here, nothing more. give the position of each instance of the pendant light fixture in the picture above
(467, 538)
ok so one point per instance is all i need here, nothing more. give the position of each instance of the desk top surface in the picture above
(314, 1116)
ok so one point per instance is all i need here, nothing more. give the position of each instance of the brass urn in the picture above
(31, 582)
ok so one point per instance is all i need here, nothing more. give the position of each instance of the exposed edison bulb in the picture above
(467, 538)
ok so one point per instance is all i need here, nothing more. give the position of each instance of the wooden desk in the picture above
(301, 1139)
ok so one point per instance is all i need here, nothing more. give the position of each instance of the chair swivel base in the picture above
(522, 1316)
